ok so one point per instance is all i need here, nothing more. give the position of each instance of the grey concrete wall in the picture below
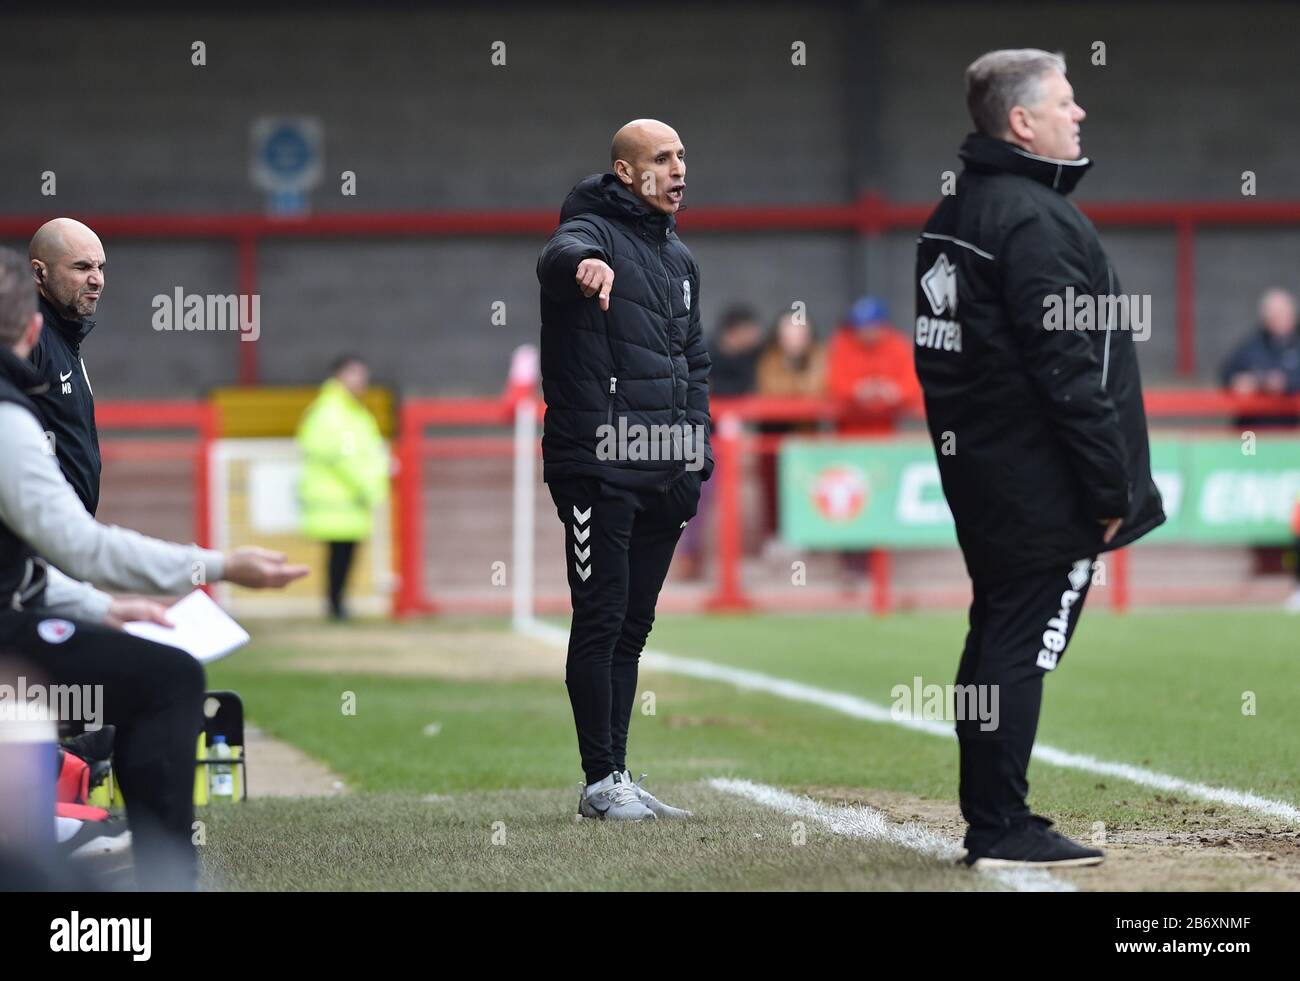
(1191, 95)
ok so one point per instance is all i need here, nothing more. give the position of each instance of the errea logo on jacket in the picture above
(686, 293)
(939, 284)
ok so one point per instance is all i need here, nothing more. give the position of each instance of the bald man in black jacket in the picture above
(67, 263)
(626, 440)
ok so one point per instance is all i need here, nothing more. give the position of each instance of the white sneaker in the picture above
(658, 807)
(612, 799)
(93, 841)
(1293, 602)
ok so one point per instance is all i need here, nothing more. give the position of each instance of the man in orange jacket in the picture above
(871, 374)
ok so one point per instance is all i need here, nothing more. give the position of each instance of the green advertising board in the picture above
(886, 493)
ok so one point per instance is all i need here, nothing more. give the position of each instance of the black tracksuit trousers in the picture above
(153, 694)
(1019, 629)
(618, 545)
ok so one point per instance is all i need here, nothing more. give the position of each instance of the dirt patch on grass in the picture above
(277, 769)
(680, 721)
(460, 655)
(1204, 848)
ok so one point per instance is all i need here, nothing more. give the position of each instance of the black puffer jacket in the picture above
(644, 360)
(1038, 433)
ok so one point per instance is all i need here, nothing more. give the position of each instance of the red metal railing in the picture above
(870, 215)
(413, 448)
(159, 414)
(732, 439)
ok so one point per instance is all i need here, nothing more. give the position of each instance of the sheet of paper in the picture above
(201, 627)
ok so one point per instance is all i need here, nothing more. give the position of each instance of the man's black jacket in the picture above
(644, 360)
(67, 406)
(1038, 433)
(22, 574)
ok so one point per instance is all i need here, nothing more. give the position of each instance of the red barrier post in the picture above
(1119, 583)
(881, 572)
(409, 598)
(728, 597)
(209, 430)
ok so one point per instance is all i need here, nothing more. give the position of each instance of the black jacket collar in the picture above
(984, 154)
(20, 373)
(74, 330)
(605, 195)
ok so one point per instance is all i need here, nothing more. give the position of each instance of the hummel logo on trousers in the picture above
(618, 546)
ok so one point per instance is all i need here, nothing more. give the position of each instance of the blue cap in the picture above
(866, 311)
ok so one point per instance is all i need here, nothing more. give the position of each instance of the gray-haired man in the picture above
(1039, 432)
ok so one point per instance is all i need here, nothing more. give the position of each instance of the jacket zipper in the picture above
(672, 370)
(613, 367)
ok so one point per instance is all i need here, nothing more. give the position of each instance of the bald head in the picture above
(1277, 312)
(648, 157)
(67, 261)
(633, 138)
(59, 235)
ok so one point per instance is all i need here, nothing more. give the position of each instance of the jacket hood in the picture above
(333, 390)
(21, 373)
(74, 330)
(984, 154)
(605, 195)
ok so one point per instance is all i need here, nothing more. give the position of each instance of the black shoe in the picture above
(93, 746)
(1032, 843)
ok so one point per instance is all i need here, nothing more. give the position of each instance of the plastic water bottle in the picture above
(222, 779)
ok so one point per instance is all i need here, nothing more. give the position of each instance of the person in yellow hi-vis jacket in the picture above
(345, 471)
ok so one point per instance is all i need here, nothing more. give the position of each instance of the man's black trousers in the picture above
(339, 561)
(153, 694)
(618, 545)
(1019, 629)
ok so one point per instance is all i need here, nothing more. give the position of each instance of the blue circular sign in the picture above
(287, 152)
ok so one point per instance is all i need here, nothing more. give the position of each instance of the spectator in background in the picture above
(872, 379)
(1268, 362)
(792, 365)
(345, 471)
(733, 353)
(870, 370)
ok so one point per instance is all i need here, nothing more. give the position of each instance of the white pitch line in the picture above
(861, 821)
(861, 708)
